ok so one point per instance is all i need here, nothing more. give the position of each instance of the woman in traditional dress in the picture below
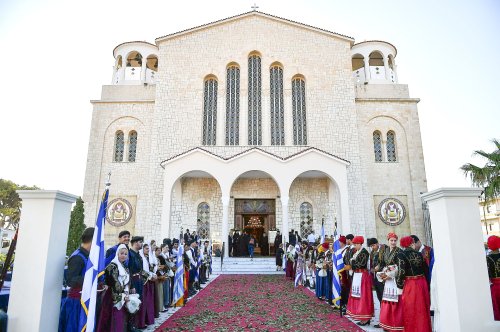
(493, 262)
(412, 284)
(148, 300)
(360, 304)
(114, 314)
(167, 263)
(391, 309)
(290, 262)
(321, 272)
(160, 279)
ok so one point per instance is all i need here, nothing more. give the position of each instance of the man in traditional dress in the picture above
(349, 251)
(345, 286)
(138, 276)
(428, 254)
(191, 254)
(69, 318)
(493, 263)
(411, 283)
(376, 250)
(123, 238)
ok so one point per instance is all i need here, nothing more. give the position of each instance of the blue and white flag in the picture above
(198, 264)
(93, 270)
(338, 266)
(322, 231)
(179, 276)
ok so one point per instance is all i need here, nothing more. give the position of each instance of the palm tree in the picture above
(487, 176)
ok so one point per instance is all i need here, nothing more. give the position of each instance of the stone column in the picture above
(284, 209)
(368, 74)
(386, 68)
(143, 70)
(462, 285)
(37, 279)
(225, 217)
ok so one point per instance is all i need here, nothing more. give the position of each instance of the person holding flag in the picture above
(337, 268)
(178, 294)
(94, 268)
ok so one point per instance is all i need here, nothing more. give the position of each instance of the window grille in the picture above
(391, 146)
(299, 112)
(306, 219)
(210, 112)
(119, 146)
(203, 221)
(277, 107)
(377, 146)
(254, 101)
(233, 106)
(132, 145)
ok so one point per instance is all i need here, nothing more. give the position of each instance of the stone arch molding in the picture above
(283, 170)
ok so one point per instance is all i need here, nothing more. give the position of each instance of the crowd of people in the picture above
(138, 281)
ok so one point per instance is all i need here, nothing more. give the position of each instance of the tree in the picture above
(76, 227)
(10, 203)
(487, 176)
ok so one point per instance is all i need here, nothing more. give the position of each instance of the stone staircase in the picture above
(244, 265)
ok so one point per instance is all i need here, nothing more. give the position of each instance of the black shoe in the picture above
(364, 324)
(377, 326)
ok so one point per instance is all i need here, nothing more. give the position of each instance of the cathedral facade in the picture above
(256, 123)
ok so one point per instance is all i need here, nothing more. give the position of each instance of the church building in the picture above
(258, 123)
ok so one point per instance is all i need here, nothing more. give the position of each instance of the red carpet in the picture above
(258, 303)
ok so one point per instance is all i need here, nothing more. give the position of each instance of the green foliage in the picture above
(10, 203)
(487, 176)
(76, 227)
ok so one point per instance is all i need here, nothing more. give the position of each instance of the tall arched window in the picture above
(210, 112)
(299, 111)
(377, 145)
(277, 107)
(391, 146)
(132, 145)
(306, 219)
(254, 100)
(119, 146)
(233, 105)
(203, 225)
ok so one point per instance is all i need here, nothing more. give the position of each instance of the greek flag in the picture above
(179, 276)
(322, 231)
(94, 269)
(197, 275)
(338, 266)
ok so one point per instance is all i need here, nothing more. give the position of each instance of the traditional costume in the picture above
(279, 258)
(321, 272)
(146, 313)
(71, 306)
(493, 263)
(411, 283)
(391, 308)
(290, 262)
(360, 304)
(114, 313)
(347, 254)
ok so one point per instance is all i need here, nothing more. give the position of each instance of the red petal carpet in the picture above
(256, 303)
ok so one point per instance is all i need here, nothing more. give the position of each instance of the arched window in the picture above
(391, 146)
(299, 111)
(233, 105)
(119, 146)
(203, 224)
(210, 112)
(377, 145)
(132, 145)
(254, 100)
(306, 219)
(133, 64)
(277, 107)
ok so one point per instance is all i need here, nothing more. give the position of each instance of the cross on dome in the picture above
(255, 7)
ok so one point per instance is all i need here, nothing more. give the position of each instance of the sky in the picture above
(58, 54)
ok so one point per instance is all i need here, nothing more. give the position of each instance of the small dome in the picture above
(136, 62)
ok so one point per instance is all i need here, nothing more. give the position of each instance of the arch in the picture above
(152, 62)
(233, 64)
(232, 104)
(376, 58)
(391, 146)
(210, 77)
(277, 105)
(119, 146)
(247, 174)
(255, 53)
(377, 145)
(358, 61)
(299, 110)
(132, 145)
(203, 220)
(298, 77)
(134, 59)
(276, 64)
(254, 99)
(210, 88)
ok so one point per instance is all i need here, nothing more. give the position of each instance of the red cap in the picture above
(358, 240)
(392, 235)
(494, 242)
(325, 245)
(406, 241)
(342, 239)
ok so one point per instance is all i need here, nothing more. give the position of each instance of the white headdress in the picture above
(123, 276)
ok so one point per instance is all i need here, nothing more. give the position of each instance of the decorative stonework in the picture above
(391, 211)
(119, 212)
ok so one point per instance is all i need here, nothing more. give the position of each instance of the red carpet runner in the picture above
(258, 303)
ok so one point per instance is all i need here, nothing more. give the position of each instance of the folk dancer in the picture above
(290, 262)
(300, 265)
(148, 289)
(167, 266)
(123, 238)
(69, 318)
(411, 283)
(428, 254)
(360, 304)
(376, 251)
(321, 272)
(137, 276)
(391, 309)
(117, 299)
(160, 281)
(310, 267)
(493, 263)
(329, 273)
(348, 253)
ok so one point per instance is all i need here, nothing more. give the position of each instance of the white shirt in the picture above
(311, 238)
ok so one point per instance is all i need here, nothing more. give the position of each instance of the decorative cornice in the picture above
(47, 194)
(451, 192)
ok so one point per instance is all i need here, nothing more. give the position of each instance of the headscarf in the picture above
(145, 261)
(392, 235)
(123, 276)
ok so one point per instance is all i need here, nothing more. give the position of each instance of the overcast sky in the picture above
(58, 54)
